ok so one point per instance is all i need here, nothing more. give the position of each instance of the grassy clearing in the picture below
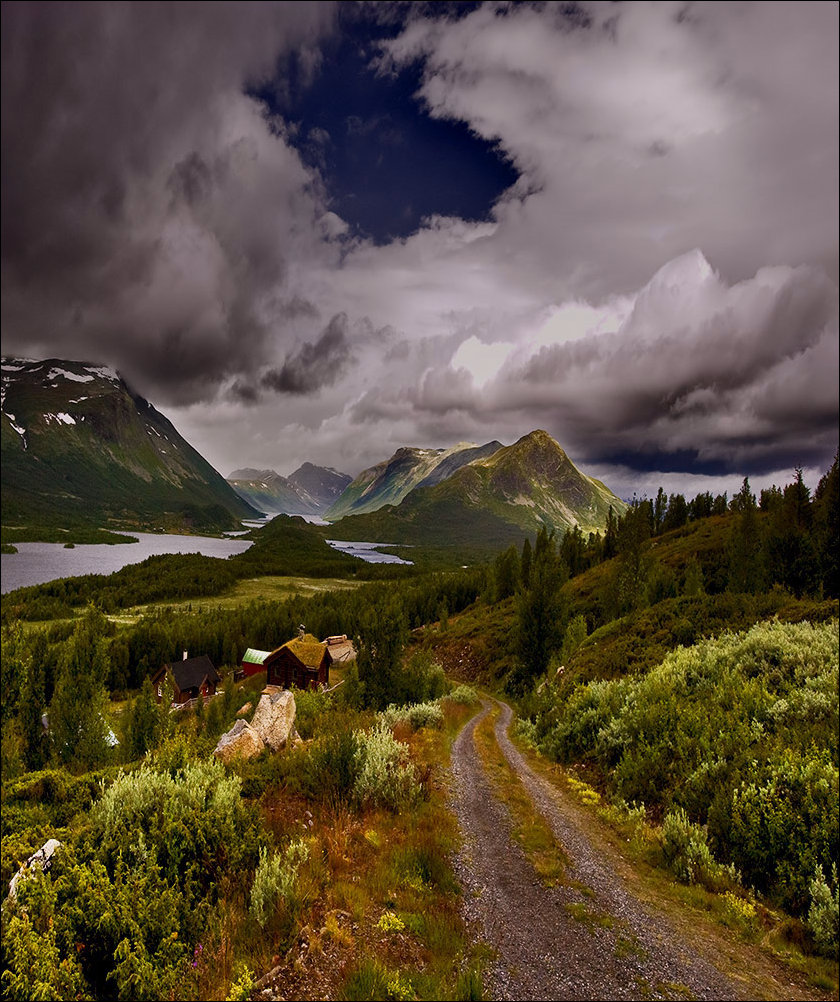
(751, 943)
(266, 589)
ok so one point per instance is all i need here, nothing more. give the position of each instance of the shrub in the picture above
(688, 855)
(419, 715)
(193, 824)
(331, 769)
(464, 694)
(824, 913)
(242, 989)
(275, 880)
(385, 776)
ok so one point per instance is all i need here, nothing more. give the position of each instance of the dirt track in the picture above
(613, 949)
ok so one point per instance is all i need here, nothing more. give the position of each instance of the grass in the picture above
(380, 915)
(263, 589)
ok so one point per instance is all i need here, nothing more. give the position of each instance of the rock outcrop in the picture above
(273, 726)
(274, 718)
(241, 741)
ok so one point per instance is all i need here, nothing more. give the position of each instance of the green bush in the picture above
(275, 880)
(385, 777)
(824, 913)
(688, 856)
(417, 715)
(464, 694)
(331, 767)
(739, 732)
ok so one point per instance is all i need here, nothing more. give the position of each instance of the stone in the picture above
(274, 718)
(41, 860)
(245, 710)
(241, 741)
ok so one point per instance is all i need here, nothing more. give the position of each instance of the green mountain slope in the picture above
(79, 448)
(389, 482)
(493, 501)
(310, 490)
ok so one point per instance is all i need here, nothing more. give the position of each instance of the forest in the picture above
(684, 663)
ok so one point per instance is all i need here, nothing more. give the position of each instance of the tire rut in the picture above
(542, 950)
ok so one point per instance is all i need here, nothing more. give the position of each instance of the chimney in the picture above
(185, 655)
(301, 631)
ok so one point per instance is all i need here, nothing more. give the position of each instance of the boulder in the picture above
(40, 860)
(245, 710)
(241, 741)
(274, 718)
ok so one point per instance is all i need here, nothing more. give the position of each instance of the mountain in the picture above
(310, 490)
(80, 448)
(391, 481)
(493, 500)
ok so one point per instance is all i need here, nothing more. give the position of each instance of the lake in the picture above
(367, 551)
(37, 563)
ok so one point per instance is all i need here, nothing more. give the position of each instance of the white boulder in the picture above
(274, 718)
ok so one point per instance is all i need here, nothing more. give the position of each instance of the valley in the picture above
(609, 697)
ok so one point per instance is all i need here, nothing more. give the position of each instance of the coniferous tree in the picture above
(32, 706)
(506, 573)
(747, 568)
(610, 535)
(145, 723)
(542, 612)
(634, 564)
(677, 514)
(77, 713)
(525, 568)
(380, 643)
(793, 558)
(826, 529)
(660, 507)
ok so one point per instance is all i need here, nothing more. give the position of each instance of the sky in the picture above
(319, 232)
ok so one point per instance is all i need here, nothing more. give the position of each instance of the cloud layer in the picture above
(658, 289)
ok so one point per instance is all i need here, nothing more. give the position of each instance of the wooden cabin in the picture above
(253, 662)
(191, 678)
(302, 663)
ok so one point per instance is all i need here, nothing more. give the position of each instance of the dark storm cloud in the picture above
(698, 375)
(145, 200)
(314, 365)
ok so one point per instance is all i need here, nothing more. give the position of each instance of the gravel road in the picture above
(543, 950)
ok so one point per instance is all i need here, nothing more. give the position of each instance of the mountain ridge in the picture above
(495, 499)
(80, 447)
(390, 481)
(310, 490)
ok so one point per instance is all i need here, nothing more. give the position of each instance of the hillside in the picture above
(79, 448)
(493, 500)
(392, 480)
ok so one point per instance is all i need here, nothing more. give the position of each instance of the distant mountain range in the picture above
(501, 495)
(310, 490)
(392, 480)
(80, 448)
